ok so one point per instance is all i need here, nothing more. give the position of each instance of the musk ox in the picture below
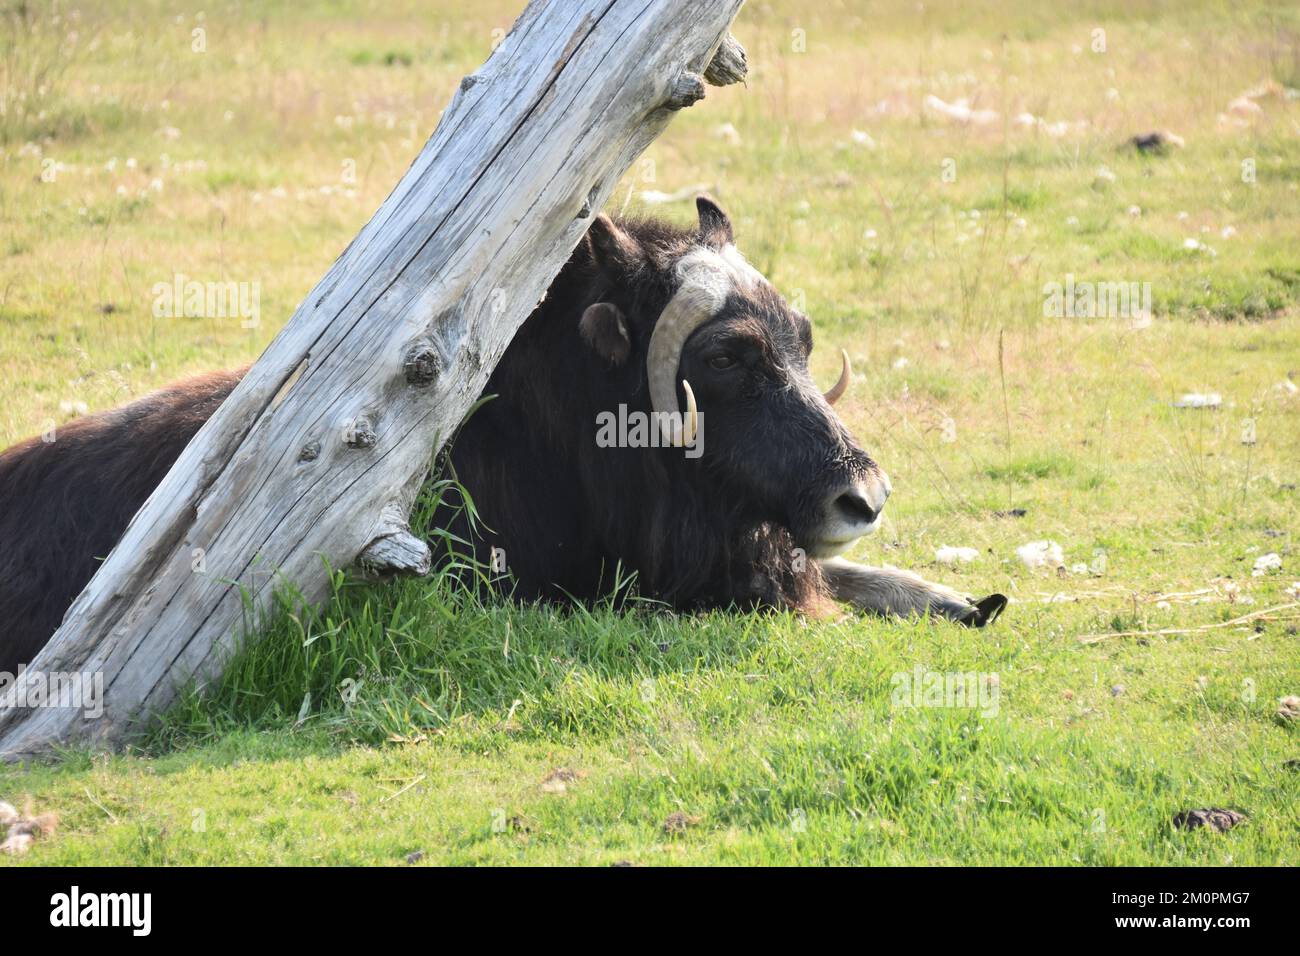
(740, 490)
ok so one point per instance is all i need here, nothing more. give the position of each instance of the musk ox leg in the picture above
(891, 591)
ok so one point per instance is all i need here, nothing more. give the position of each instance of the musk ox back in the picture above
(67, 497)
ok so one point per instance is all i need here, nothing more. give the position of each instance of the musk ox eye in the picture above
(721, 362)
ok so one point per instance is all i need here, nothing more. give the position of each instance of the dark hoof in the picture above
(986, 611)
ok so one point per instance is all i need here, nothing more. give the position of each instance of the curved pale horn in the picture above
(691, 423)
(840, 387)
(702, 292)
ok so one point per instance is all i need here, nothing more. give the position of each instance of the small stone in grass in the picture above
(22, 829)
(415, 856)
(558, 780)
(16, 844)
(1156, 142)
(949, 554)
(41, 826)
(1266, 563)
(679, 821)
(1213, 817)
(1041, 554)
(1117, 690)
(1288, 708)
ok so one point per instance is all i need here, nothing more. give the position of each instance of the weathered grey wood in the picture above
(394, 550)
(729, 64)
(315, 458)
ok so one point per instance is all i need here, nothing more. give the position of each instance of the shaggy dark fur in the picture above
(712, 531)
(64, 503)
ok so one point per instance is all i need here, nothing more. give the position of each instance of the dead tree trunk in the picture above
(314, 460)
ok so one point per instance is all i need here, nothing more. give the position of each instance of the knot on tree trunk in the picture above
(687, 90)
(422, 365)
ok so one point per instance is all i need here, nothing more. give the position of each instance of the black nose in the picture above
(853, 504)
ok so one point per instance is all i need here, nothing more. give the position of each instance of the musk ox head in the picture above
(725, 372)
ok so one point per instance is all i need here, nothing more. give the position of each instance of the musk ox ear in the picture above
(605, 330)
(715, 225)
(612, 248)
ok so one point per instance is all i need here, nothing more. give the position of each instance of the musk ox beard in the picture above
(671, 324)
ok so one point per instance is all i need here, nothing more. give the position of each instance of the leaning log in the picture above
(314, 460)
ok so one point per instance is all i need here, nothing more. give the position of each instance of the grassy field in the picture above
(413, 724)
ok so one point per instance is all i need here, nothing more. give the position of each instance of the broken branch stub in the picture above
(729, 63)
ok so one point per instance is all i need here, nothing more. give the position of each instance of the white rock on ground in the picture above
(1041, 554)
(1199, 400)
(954, 555)
(1266, 563)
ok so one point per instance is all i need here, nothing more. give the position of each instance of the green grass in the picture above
(417, 719)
